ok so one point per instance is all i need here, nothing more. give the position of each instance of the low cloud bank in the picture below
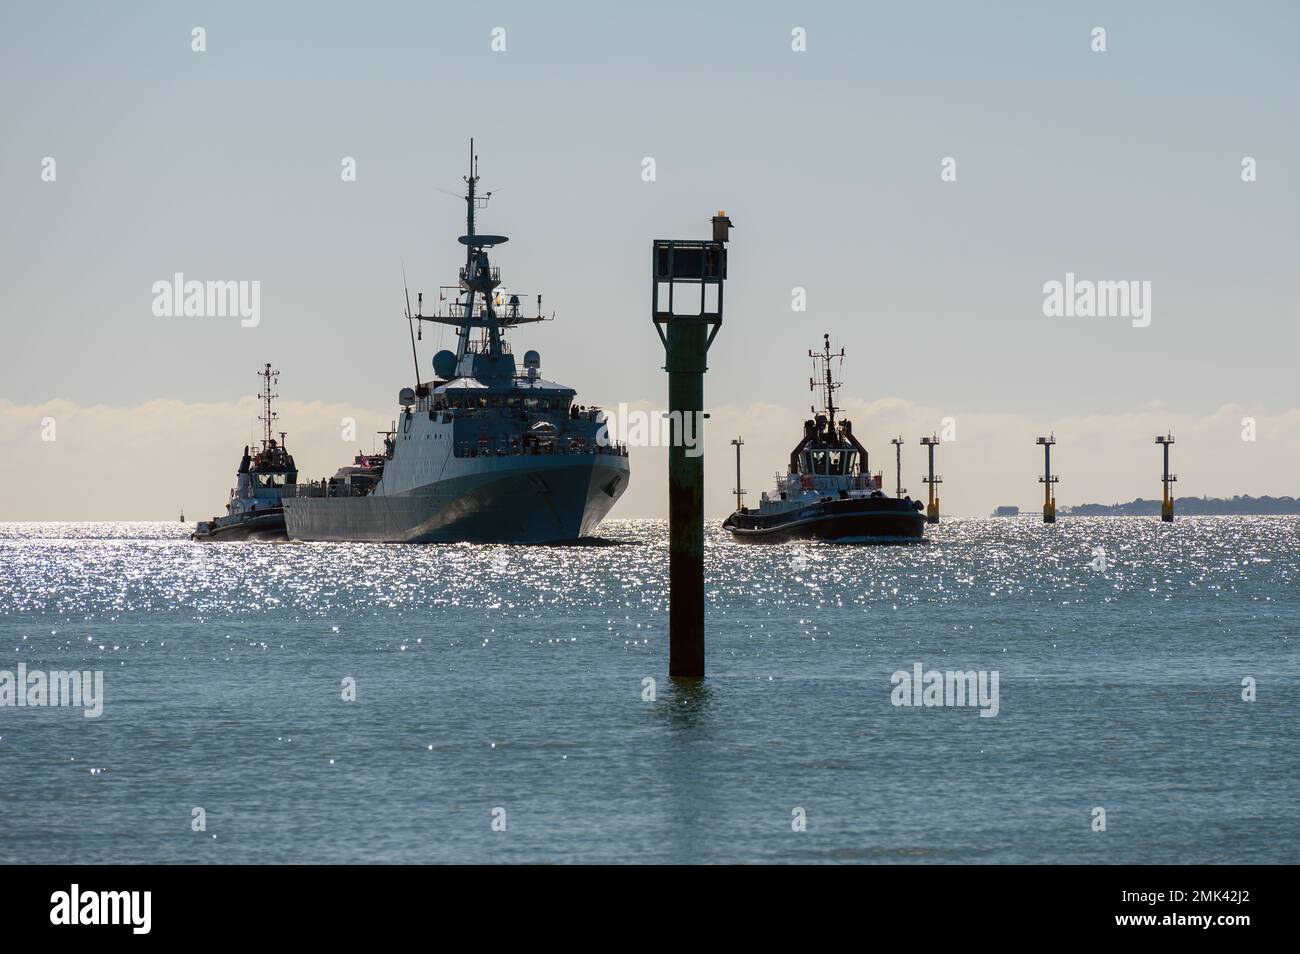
(150, 461)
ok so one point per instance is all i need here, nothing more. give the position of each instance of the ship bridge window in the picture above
(840, 462)
(461, 401)
(270, 480)
(546, 404)
(830, 463)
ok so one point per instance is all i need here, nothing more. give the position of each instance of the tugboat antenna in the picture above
(268, 415)
(823, 362)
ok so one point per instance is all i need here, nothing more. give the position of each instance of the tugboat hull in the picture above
(265, 526)
(877, 519)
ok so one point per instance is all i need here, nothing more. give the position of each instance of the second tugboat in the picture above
(255, 511)
(828, 493)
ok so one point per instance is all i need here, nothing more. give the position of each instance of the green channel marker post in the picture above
(686, 306)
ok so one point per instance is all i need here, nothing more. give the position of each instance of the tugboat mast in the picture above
(268, 415)
(823, 366)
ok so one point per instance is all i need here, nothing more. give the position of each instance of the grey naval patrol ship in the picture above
(486, 451)
(828, 492)
(254, 511)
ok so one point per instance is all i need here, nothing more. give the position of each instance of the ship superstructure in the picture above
(485, 451)
(828, 491)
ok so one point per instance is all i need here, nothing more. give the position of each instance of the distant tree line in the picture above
(1191, 507)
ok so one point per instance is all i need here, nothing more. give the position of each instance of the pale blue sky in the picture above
(225, 165)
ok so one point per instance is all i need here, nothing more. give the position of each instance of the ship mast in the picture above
(478, 272)
(267, 417)
(472, 181)
(824, 368)
(479, 281)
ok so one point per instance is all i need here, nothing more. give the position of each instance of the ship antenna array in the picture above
(471, 180)
(472, 200)
(410, 324)
(267, 417)
(825, 367)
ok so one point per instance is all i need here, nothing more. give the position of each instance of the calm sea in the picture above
(506, 686)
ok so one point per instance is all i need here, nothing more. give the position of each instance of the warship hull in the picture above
(527, 499)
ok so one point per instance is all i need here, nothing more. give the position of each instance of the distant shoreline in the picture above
(1191, 507)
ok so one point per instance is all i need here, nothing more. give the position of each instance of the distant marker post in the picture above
(1166, 481)
(932, 480)
(1047, 480)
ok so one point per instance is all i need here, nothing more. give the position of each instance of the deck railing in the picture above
(326, 489)
(472, 449)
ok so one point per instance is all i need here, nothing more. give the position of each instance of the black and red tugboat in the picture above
(828, 493)
(255, 511)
